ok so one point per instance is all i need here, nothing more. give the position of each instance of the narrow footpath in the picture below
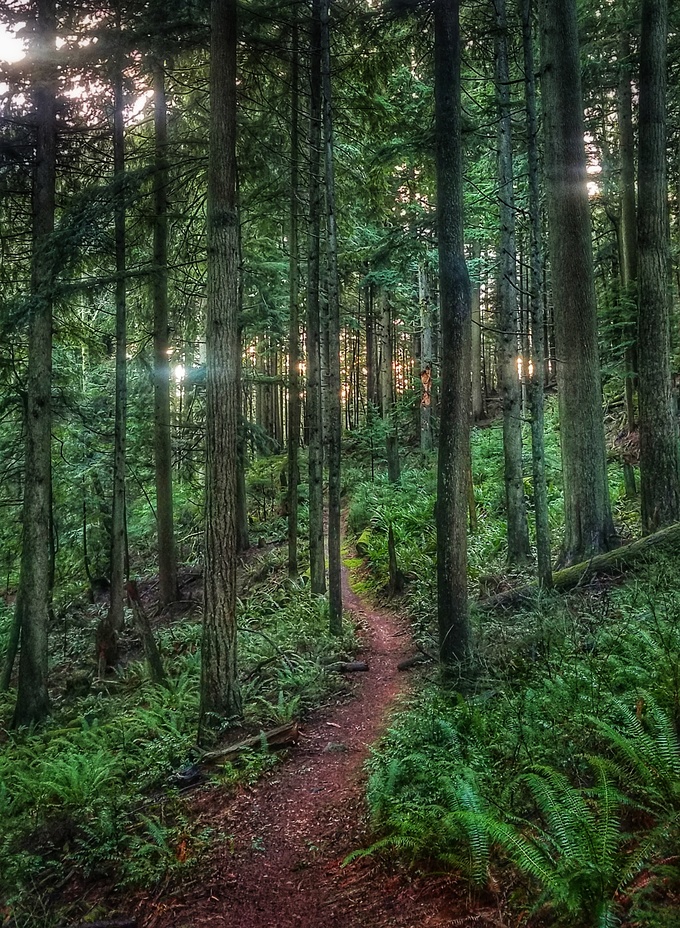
(281, 864)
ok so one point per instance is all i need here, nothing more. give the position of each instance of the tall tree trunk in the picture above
(537, 309)
(387, 391)
(627, 238)
(659, 487)
(167, 563)
(371, 372)
(588, 523)
(242, 526)
(294, 303)
(426, 361)
(112, 624)
(220, 695)
(454, 284)
(517, 527)
(334, 410)
(477, 391)
(317, 565)
(33, 597)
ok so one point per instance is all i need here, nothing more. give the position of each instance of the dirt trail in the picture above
(290, 833)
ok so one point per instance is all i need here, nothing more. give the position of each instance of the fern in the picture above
(648, 752)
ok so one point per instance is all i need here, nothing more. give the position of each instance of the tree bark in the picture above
(426, 361)
(112, 624)
(294, 303)
(34, 593)
(537, 309)
(628, 237)
(454, 284)
(517, 527)
(317, 560)
(334, 410)
(659, 485)
(167, 566)
(387, 392)
(477, 387)
(588, 523)
(167, 563)
(220, 697)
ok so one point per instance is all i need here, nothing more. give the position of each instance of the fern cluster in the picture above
(565, 760)
(91, 793)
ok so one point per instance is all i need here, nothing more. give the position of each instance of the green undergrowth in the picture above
(92, 794)
(409, 508)
(557, 776)
(562, 762)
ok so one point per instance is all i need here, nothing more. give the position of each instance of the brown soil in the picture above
(289, 835)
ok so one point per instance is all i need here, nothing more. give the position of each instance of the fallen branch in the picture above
(276, 738)
(620, 558)
(347, 666)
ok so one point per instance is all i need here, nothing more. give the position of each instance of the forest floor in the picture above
(279, 861)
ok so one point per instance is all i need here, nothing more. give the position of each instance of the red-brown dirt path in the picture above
(282, 864)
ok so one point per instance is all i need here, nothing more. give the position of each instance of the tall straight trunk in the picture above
(112, 624)
(242, 526)
(517, 527)
(659, 486)
(334, 409)
(627, 237)
(371, 372)
(454, 284)
(294, 308)
(426, 361)
(588, 523)
(317, 566)
(220, 697)
(629, 258)
(167, 563)
(477, 391)
(387, 391)
(537, 311)
(34, 593)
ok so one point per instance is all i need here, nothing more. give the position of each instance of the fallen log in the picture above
(413, 661)
(347, 666)
(275, 739)
(569, 577)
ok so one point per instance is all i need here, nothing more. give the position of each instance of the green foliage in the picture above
(90, 794)
(564, 760)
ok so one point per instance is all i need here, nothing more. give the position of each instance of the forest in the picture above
(339, 400)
